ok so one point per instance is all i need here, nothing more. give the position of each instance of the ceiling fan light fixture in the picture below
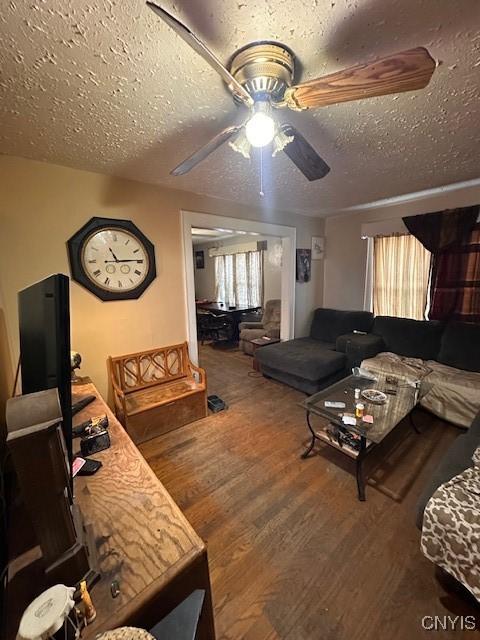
(280, 141)
(240, 144)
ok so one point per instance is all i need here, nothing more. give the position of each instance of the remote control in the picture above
(82, 403)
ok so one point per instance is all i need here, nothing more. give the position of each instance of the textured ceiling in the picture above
(105, 85)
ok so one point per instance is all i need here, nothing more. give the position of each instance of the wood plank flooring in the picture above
(292, 553)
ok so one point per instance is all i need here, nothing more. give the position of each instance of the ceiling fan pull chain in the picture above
(261, 172)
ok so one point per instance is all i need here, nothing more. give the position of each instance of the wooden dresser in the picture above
(143, 540)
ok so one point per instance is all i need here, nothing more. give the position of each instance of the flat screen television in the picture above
(44, 321)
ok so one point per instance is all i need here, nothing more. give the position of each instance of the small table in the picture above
(257, 344)
(402, 397)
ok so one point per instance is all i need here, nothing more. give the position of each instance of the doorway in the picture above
(235, 227)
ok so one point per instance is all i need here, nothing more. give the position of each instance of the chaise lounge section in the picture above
(313, 363)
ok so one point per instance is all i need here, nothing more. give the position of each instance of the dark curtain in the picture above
(453, 238)
(455, 290)
(437, 231)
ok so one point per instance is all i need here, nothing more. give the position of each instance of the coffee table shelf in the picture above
(345, 448)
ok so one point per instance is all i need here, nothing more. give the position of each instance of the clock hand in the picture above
(130, 260)
(111, 251)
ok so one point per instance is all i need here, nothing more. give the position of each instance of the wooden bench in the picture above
(157, 391)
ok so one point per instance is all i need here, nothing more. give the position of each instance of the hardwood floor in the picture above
(293, 554)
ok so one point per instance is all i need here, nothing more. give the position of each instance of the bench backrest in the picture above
(144, 369)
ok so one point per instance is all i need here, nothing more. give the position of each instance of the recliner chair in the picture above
(269, 326)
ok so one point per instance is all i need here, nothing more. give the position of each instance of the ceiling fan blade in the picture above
(404, 71)
(303, 155)
(198, 46)
(206, 150)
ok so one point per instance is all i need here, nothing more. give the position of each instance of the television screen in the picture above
(44, 320)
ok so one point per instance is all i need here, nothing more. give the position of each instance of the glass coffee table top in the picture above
(402, 397)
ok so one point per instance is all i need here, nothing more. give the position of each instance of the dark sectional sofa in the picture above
(455, 344)
(449, 354)
(313, 363)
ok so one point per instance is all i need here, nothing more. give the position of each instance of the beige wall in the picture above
(272, 271)
(346, 252)
(42, 205)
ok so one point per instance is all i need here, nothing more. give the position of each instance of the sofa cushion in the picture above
(412, 369)
(460, 346)
(455, 395)
(303, 357)
(369, 343)
(301, 384)
(411, 338)
(328, 324)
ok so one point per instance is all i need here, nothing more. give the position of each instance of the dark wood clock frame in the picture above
(75, 244)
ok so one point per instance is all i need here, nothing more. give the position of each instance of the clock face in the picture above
(115, 260)
(112, 258)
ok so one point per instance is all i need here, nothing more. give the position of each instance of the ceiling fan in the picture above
(260, 76)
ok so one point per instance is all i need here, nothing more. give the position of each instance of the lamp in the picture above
(259, 131)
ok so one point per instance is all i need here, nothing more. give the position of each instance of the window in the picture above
(239, 279)
(401, 267)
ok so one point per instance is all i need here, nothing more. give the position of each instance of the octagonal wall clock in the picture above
(112, 258)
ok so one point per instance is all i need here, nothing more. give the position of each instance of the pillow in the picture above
(328, 324)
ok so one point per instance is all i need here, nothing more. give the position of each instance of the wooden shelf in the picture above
(346, 449)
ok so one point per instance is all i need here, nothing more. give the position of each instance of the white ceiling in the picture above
(105, 85)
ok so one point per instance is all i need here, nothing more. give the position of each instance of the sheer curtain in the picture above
(239, 279)
(400, 278)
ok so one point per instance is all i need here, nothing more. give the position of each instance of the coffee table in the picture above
(402, 397)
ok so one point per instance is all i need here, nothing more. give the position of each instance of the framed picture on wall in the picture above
(304, 265)
(199, 260)
(318, 247)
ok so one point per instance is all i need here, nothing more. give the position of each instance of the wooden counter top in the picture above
(143, 540)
